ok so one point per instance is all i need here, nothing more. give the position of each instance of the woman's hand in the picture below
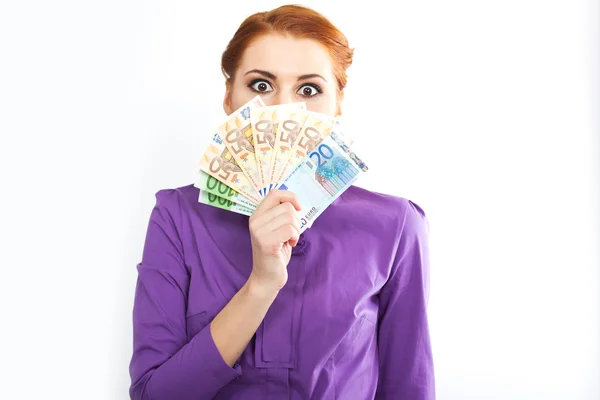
(274, 230)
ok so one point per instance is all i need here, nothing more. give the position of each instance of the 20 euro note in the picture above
(218, 162)
(209, 184)
(236, 133)
(322, 177)
(265, 123)
(216, 201)
(316, 128)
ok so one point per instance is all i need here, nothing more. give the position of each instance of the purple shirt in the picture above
(350, 323)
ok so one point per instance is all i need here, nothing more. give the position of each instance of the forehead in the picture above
(286, 56)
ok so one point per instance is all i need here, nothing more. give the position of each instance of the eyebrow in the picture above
(273, 77)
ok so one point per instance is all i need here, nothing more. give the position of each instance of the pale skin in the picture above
(282, 69)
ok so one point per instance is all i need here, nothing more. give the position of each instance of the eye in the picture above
(309, 90)
(260, 86)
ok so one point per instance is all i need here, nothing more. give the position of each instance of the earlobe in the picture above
(339, 104)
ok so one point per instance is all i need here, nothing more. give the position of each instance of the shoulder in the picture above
(177, 197)
(181, 206)
(405, 214)
(176, 200)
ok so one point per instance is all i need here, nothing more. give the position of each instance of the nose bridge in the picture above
(285, 95)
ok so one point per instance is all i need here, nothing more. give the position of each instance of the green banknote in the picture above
(216, 201)
(209, 184)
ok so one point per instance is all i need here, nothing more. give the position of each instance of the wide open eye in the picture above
(260, 86)
(309, 90)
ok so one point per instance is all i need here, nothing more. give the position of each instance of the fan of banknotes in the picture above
(260, 148)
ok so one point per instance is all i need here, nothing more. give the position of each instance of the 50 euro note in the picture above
(219, 202)
(209, 184)
(322, 177)
(266, 123)
(287, 133)
(218, 162)
(236, 133)
(316, 128)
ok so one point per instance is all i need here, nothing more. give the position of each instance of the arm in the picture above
(405, 357)
(237, 322)
(164, 365)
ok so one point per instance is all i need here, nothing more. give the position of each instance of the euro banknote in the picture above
(265, 122)
(323, 176)
(219, 202)
(218, 162)
(287, 133)
(309, 155)
(236, 133)
(316, 128)
(209, 184)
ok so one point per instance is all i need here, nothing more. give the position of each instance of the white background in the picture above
(485, 113)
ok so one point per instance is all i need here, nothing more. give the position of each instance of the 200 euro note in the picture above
(287, 133)
(236, 133)
(218, 162)
(316, 128)
(216, 201)
(322, 177)
(265, 123)
(209, 184)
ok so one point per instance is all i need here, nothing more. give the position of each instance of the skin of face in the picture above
(284, 69)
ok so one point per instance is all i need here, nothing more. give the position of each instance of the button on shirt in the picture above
(350, 323)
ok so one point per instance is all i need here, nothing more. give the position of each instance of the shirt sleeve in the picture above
(164, 363)
(405, 357)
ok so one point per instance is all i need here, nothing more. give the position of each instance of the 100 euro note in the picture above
(287, 133)
(265, 123)
(322, 177)
(316, 128)
(209, 184)
(216, 201)
(236, 133)
(218, 162)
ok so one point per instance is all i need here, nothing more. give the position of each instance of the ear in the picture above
(340, 99)
(227, 99)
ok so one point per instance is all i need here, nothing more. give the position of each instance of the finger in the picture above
(294, 241)
(265, 218)
(287, 233)
(276, 197)
(279, 221)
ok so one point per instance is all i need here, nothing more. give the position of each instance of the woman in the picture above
(231, 307)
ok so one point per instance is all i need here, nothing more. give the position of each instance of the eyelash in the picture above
(313, 85)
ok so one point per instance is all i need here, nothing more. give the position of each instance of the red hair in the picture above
(297, 21)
